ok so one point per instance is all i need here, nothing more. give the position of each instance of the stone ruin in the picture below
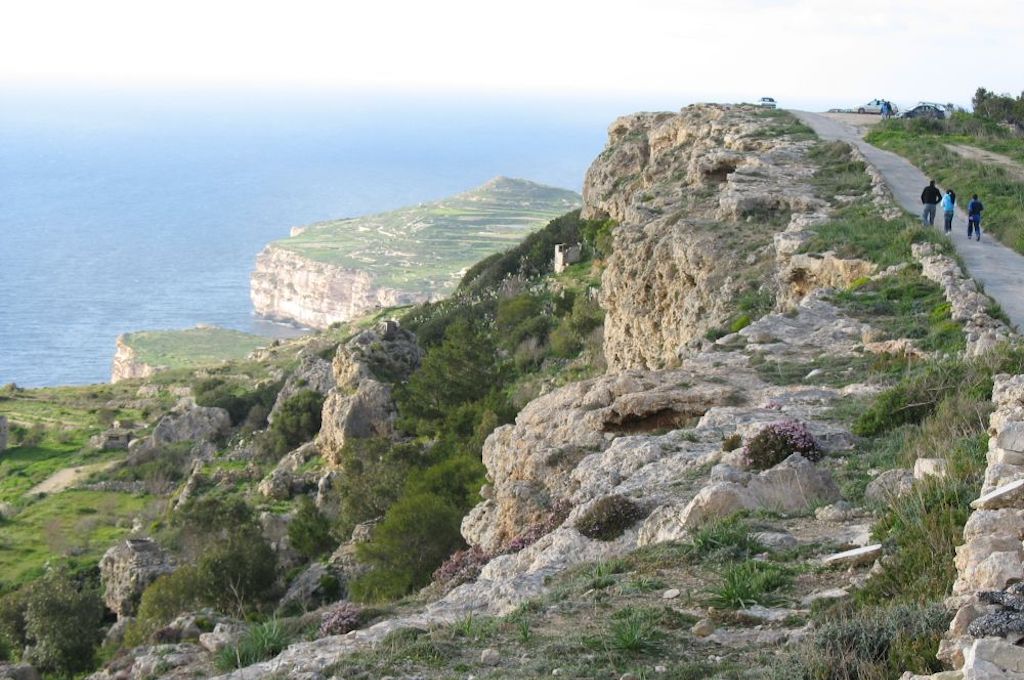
(565, 255)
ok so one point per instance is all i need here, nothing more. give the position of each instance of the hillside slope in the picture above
(336, 271)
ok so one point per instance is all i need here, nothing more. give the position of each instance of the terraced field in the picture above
(419, 247)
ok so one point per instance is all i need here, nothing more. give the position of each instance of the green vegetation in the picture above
(749, 583)
(193, 347)
(838, 174)
(927, 144)
(420, 248)
(259, 643)
(608, 518)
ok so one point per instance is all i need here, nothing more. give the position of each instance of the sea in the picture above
(126, 210)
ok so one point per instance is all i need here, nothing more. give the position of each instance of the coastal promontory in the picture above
(334, 271)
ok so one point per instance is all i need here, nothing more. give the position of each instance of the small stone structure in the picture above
(4, 429)
(127, 568)
(388, 328)
(565, 255)
(115, 438)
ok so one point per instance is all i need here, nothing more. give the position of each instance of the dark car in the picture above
(924, 111)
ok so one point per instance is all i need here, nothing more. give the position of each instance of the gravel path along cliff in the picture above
(998, 268)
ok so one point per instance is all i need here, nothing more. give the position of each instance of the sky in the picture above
(805, 53)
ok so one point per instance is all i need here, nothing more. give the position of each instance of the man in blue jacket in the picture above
(930, 197)
(974, 209)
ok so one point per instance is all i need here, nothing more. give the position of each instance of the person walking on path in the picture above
(930, 197)
(948, 206)
(974, 209)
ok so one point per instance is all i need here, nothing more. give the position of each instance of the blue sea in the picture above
(124, 211)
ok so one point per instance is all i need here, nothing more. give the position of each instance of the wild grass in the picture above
(866, 644)
(838, 174)
(724, 540)
(748, 583)
(999, 189)
(858, 232)
(259, 643)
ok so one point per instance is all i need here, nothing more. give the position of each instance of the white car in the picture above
(767, 102)
(873, 106)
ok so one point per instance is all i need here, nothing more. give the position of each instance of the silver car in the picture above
(873, 106)
(767, 102)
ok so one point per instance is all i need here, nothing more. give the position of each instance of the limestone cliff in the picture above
(698, 196)
(336, 271)
(127, 364)
(286, 286)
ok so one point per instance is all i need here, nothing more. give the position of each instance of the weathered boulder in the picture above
(18, 671)
(536, 463)
(313, 373)
(194, 423)
(4, 431)
(889, 485)
(127, 568)
(315, 586)
(284, 480)
(368, 412)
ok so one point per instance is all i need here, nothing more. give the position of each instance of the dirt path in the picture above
(973, 153)
(68, 477)
(998, 268)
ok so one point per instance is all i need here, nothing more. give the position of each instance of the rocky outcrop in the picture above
(361, 405)
(695, 195)
(192, 423)
(313, 373)
(4, 432)
(285, 480)
(289, 287)
(127, 364)
(127, 568)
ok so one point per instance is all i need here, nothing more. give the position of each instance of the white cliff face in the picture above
(289, 287)
(127, 364)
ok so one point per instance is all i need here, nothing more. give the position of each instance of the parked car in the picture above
(873, 106)
(924, 111)
(767, 102)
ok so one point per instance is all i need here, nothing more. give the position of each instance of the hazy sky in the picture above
(799, 51)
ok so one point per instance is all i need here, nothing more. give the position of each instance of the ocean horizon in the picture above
(122, 212)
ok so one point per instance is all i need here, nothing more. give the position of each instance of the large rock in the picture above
(313, 373)
(127, 568)
(4, 431)
(536, 463)
(284, 481)
(368, 412)
(18, 671)
(194, 423)
(678, 264)
(889, 485)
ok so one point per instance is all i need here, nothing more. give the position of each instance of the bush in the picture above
(298, 420)
(309, 532)
(872, 644)
(416, 535)
(777, 441)
(161, 602)
(217, 392)
(608, 518)
(62, 624)
(341, 619)
(12, 623)
(375, 474)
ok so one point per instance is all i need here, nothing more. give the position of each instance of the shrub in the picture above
(416, 535)
(162, 600)
(732, 442)
(341, 619)
(461, 567)
(298, 420)
(739, 323)
(62, 624)
(777, 441)
(608, 518)
(309, 532)
(12, 622)
(375, 474)
(869, 644)
(217, 392)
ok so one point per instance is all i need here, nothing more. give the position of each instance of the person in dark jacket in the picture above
(930, 197)
(974, 209)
